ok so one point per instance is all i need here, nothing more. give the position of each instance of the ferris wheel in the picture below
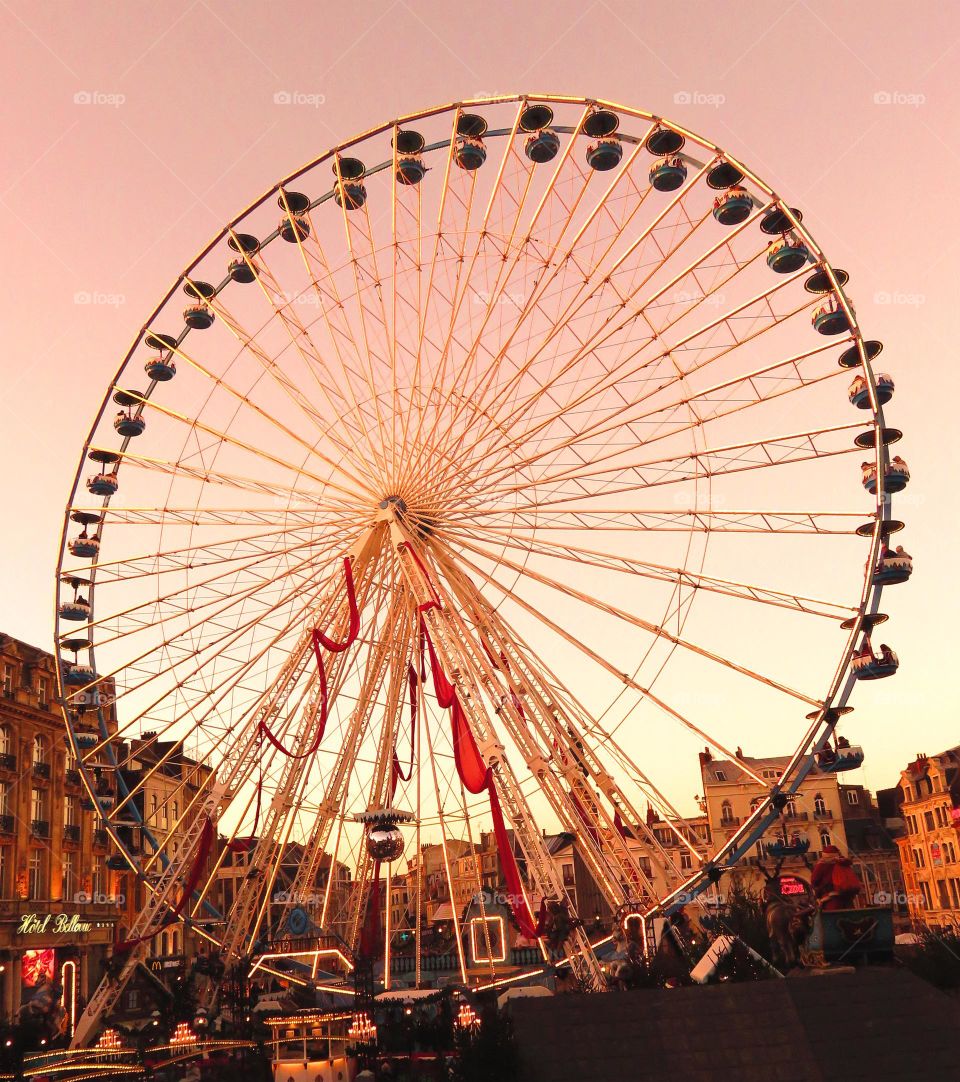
(495, 463)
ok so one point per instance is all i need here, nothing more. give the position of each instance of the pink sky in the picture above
(132, 133)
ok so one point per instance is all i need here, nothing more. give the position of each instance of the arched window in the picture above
(791, 809)
(40, 748)
(825, 839)
(726, 812)
(819, 805)
(6, 740)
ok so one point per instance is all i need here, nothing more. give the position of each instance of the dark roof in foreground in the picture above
(876, 1024)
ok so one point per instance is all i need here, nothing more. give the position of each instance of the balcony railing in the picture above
(41, 770)
(100, 837)
(7, 824)
(71, 832)
(40, 828)
(788, 814)
(8, 761)
(72, 777)
(730, 821)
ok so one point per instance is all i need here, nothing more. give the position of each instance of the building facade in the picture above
(814, 814)
(59, 901)
(929, 795)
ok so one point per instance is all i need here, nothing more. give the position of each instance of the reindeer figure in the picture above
(789, 919)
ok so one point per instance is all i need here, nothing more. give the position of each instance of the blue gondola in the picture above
(867, 666)
(103, 484)
(354, 195)
(87, 548)
(604, 154)
(896, 476)
(241, 271)
(831, 319)
(668, 175)
(294, 229)
(85, 741)
(834, 761)
(894, 566)
(106, 801)
(786, 256)
(410, 169)
(470, 153)
(733, 207)
(161, 369)
(117, 863)
(198, 317)
(77, 675)
(77, 609)
(796, 847)
(859, 393)
(129, 424)
(542, 146)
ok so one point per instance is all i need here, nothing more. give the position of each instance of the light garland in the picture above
(182, 1035)
(467, 1017)
(362, 1029)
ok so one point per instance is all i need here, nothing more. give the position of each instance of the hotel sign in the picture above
(54, 923)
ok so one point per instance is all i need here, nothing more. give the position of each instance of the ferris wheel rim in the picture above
(841, 685)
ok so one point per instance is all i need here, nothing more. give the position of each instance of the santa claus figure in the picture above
(834, 881)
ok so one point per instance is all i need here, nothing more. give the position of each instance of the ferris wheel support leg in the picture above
(147, 924)
(567, 784)
(541, 869)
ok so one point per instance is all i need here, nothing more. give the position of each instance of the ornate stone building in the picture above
(929, 795)
(59, 902)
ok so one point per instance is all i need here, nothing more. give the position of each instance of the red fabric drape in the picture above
(511, 872)
(321, 721)
(473, 771)
(331, 644)
(477, 777)
(398, 773)
(623, 830)
(190, 884)
(445, 691)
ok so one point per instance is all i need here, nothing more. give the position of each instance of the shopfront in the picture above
(49, 946)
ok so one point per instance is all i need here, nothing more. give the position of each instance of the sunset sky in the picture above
(132, 134)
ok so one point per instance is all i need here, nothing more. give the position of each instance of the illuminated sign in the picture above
(490, 944)
(791, 885)
(37, 967)
(54, 923)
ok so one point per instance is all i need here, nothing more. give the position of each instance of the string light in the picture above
(467, 1017)
(183, 1034)
(362, 1029)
